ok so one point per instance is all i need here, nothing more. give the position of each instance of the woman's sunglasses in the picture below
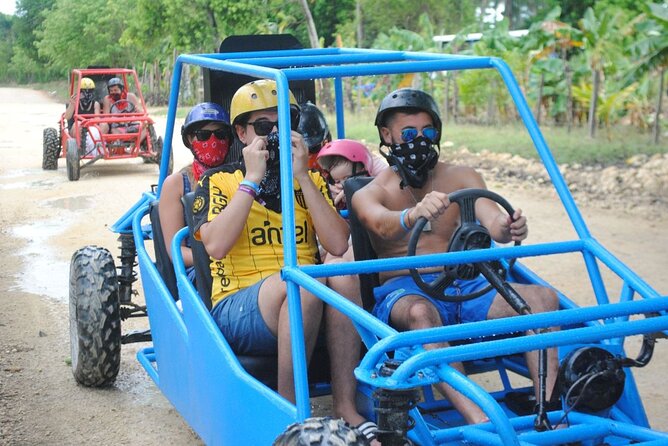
(264, 126)
(204, 135)
(410, 133)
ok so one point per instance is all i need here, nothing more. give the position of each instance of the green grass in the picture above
(609, 147)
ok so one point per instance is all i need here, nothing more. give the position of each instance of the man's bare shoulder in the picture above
(457, 174)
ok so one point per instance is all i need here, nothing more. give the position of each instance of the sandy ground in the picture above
(44, 218)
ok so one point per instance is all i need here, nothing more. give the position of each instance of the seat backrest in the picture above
(220, 86)
(201, 259)
(162, 260)
(362, 247)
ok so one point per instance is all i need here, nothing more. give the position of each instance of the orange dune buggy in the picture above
(125, 131)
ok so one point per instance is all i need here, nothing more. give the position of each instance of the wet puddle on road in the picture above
(42, 273)
(21, 174)
(71, 203)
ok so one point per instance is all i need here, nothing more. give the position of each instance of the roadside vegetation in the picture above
(593, 72)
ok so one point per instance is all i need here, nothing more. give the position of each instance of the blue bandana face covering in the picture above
(412, 160)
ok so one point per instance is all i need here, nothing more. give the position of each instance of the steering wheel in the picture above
(115, 108)
(470, 235)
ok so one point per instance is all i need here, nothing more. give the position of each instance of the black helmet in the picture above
(313, 127)
(410, 99)
(115, 81)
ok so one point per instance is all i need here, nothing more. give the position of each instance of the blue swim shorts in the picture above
(451, 312)
(238, 317)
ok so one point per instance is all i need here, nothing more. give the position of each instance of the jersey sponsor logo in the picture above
(268, 235)
(218, 200)
(220, 274)
(198, 204)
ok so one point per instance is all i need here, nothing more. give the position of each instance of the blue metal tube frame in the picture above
(510, 325)
(509, 346)
(259, 64)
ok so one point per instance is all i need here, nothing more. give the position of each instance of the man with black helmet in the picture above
(313, 127)
(119, 100)
(417, 185)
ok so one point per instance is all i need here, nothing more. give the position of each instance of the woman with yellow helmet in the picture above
(87, 106)
(237, 212)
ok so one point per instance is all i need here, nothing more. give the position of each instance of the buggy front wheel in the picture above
(73, 160)
(95, 322)
(324, 430)
(50, 149)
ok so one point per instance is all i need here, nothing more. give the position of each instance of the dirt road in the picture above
(44, 218)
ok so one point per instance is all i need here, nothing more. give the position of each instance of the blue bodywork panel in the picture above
(192, 364)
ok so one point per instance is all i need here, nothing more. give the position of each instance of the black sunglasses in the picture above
(264, 127)
(204, 135)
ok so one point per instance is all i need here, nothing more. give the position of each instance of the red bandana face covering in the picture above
(208, 154)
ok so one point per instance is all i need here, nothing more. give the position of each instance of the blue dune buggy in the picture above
(232, 400)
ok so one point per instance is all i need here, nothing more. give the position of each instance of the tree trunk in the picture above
(455, 98)
(596, 80)
(359, 36)
(509, 14)
(657, 116)
(310, 25)
(446, 105)
(569, 98)
(539, 98)
(491, 104)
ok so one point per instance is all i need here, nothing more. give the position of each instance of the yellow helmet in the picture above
(87, 83)
(258, 95)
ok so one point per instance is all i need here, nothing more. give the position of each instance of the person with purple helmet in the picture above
(208, 134)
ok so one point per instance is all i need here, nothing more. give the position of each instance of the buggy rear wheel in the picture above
(50, 149)
(317, 431)
(157, 145)
(95, 322)
(73, 160)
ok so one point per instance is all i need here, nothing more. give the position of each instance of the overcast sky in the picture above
(7, 6)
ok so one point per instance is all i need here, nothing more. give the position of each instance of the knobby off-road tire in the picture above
(157, 144)
(95, 322)
(50, 149)
(72, 157)
(320, 431)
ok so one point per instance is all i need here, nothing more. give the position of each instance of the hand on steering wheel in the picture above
(116, 107)
(470, 235)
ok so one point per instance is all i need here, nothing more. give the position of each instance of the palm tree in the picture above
(601, 37)
(651, 52)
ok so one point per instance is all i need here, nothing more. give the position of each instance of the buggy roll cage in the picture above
(284, 66)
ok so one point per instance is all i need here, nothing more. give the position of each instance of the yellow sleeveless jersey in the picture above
(258, 252)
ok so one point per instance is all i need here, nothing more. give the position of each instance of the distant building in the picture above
(474, 37)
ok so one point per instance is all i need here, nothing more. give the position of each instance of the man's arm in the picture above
(106, 105)
(500, 225)
(369, 207)
(220, 234)
(136, 102)
(69, 111)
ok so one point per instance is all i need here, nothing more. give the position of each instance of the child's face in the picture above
(341, 172)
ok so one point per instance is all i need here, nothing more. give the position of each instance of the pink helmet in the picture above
(352, 150)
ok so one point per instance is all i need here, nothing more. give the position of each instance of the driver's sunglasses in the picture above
(410, 133)
(204, 135)
(264, 127)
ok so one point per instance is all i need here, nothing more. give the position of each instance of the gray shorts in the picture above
(238, 317)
